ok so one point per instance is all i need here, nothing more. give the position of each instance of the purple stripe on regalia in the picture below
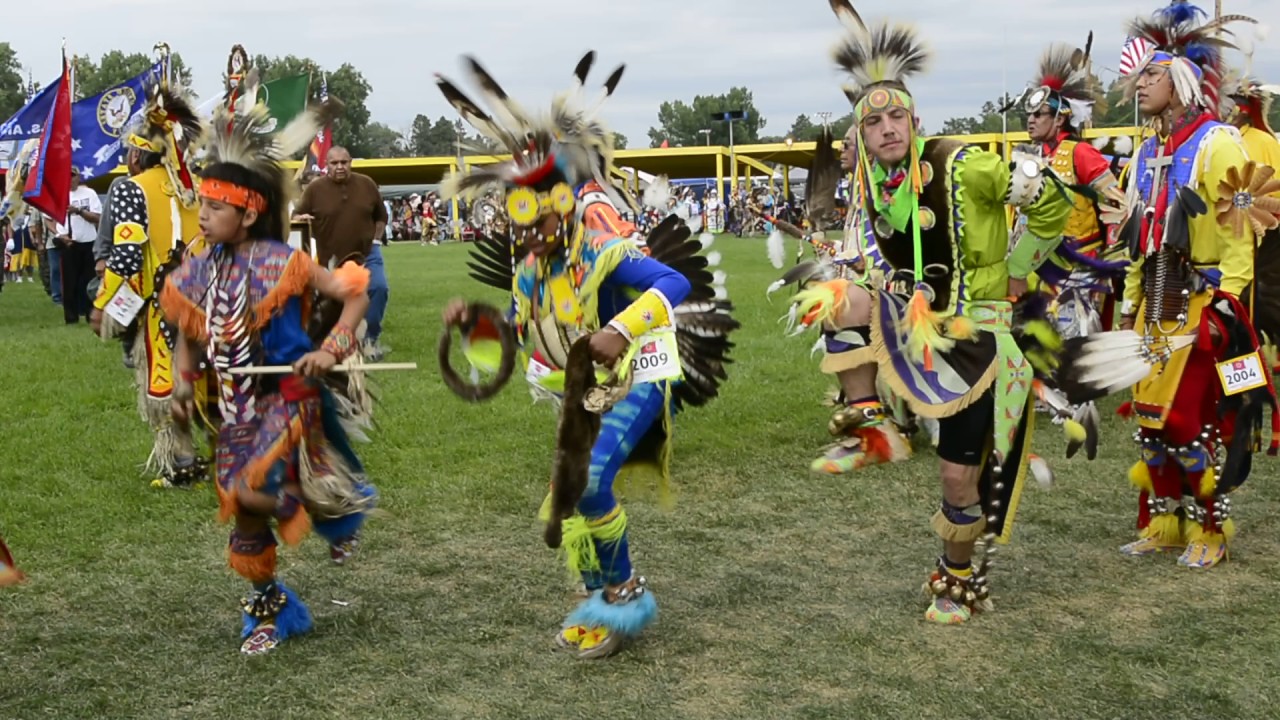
(892, 309)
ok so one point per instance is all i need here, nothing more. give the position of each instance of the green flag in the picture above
(285, 98)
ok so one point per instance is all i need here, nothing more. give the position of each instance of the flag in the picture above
(98, 123)
(323, 140)
(1135, 50)
(48, 186)
(665, 144)
(285, 98)
(25, 124)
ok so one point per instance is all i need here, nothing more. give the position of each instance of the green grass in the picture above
(783, 594)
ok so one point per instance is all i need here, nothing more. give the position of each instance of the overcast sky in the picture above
(779, 49)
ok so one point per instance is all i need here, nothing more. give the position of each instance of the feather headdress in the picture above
(169, 127)
(242, 138)
(883, 55)
(1065, 83)
(1249, 100)
(1191, 49)
(567, 143)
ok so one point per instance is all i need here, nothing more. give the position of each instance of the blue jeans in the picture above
(55, 272)
(378, 292)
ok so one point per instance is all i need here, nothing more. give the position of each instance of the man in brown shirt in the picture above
(347, 221)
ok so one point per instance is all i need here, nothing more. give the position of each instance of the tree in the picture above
(13, 93)
(678, 123)
(619, 141)
(988, 120)
(346, 84)
(380, 141)
(116, 67)
(428, 139)
(803, 129)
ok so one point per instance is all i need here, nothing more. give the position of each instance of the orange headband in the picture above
(234, 195)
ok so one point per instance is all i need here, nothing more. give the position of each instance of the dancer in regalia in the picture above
(942, 333)
(282, 449)
(651, 316)
(155, 215)
(1187, 345)
(1059, 105)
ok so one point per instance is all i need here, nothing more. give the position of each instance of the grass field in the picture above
(783, 595)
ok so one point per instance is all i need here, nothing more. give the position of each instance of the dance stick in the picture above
(343, 367)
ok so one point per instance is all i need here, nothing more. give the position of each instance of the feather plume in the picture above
(885, 53)
(657, 194)
(1064, 70)
(1041, 471)
(567, 139)
(1178, 30)
(820, 186)
(776, 248)
(244, 139)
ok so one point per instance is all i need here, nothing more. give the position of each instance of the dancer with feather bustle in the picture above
(283, 450)
(585, 299)
(1187, 346)
(943, 335)
(1059, 105)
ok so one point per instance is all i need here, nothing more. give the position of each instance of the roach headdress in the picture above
(1189, 48)
(551, 151)
(878, 59)
(1247, 100)
(1065, 83)
(242, 138)
(169, 127)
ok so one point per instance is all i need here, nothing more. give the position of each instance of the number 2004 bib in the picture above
(1241, 374)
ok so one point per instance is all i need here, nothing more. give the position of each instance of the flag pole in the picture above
(166, 67)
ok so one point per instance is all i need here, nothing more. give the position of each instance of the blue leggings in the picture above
(621, 429)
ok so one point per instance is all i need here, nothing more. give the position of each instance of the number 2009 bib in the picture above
(657, 359)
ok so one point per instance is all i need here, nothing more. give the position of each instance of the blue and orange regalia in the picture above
(283, 451)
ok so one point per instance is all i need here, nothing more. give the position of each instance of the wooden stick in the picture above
(342, 367)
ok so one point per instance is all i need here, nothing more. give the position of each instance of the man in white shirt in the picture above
(75, 239)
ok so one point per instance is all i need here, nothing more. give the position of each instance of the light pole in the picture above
(707, 132)
(730, 117)
(826, 118)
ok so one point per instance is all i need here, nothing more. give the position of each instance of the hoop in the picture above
(479, 314)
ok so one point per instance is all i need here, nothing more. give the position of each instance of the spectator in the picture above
(348, 219)
(75, 238)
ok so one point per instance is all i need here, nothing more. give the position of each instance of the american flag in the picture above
(1135, 49)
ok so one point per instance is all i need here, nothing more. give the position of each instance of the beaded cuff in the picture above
(340, 343)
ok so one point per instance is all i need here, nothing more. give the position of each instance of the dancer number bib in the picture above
(658, 358)
(1241, 374)
(124, 306)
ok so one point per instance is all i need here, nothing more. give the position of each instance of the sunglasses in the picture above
(1040, 114)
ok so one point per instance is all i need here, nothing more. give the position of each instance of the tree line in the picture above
(679, 123)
